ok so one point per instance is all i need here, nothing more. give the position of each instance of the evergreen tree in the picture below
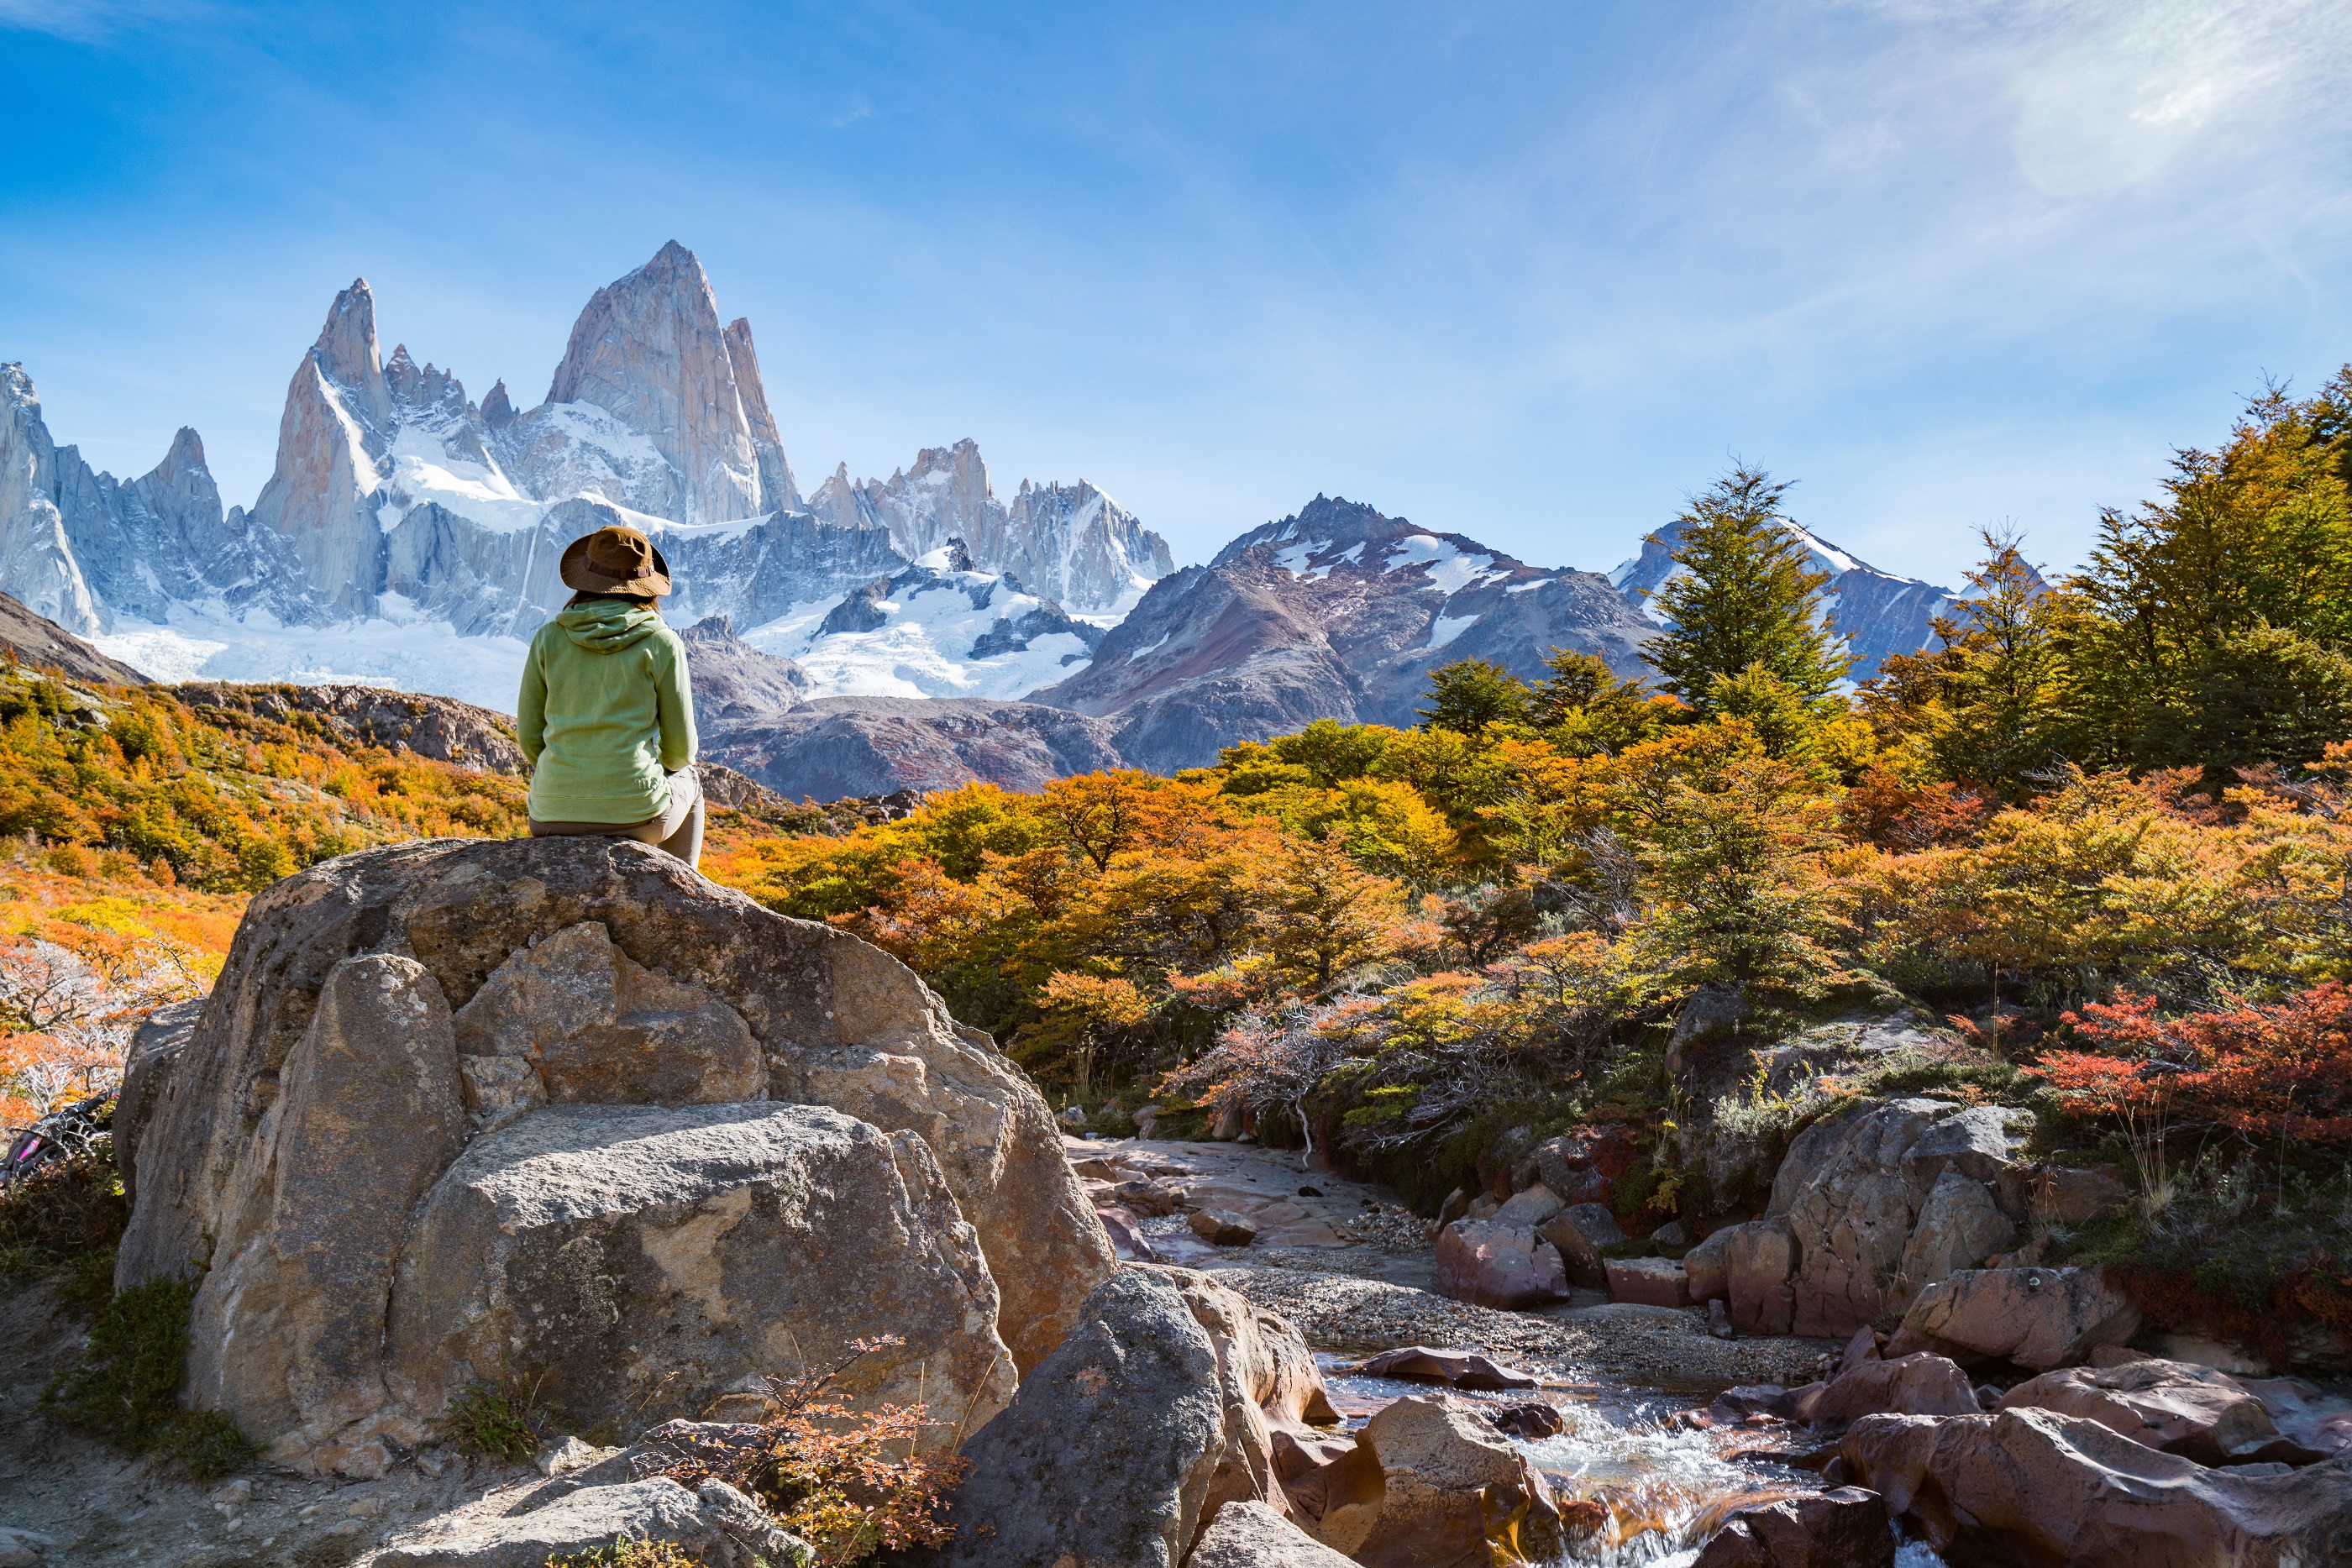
(1744, 598)
(1468, 694)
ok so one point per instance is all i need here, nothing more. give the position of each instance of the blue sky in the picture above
(1530, 272)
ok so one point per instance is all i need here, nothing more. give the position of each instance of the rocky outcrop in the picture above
(1869, 1209)
(2040, 1318)
(39, 643)
(2193, 1411)
(2030, 1486)
(1338, 612)
(837, 746)
(441, 729)
(1916, 1385)
(1578, 1232)
(737, 688)
(385, 989)
(1107, 1452)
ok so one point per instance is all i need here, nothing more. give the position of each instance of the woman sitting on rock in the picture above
(606, 715)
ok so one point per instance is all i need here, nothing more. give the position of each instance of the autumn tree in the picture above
(1743, 596)
(1319, 914)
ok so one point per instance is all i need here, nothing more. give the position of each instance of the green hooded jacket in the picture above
(605, 713)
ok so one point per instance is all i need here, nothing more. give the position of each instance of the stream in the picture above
(1667, 1488)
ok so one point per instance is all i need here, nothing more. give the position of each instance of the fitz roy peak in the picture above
(411, 535)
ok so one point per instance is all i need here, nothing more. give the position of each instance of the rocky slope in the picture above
(1337, 612)
(40, 642)
(1876, 611)
(836, 747)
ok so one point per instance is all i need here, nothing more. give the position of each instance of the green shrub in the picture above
(626, 1553)
(66, 1218)
(503, 1418)
(125, 1387)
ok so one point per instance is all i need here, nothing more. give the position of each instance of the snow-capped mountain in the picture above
(1070, 543)
(1876, 611)
(410, 535)
(1337, 612)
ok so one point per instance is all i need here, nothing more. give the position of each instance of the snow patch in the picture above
(401, 650)
(1449, 569)
(1446, 628)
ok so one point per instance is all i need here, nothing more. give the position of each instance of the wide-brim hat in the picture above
(614, 560)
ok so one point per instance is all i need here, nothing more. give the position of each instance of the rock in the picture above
(23, 1548)
(1453, 1485)
(1718, 1319)
(1649, 1282)
(1975, 1143)
(1334, 1487)
(1529, 1208)
(1252, 1535)
(652, 1262)
(1073, 1116)
(1959, 1227)
(557, 1458)
(2193, 1411)
(2030, 1486)
(1124, 1236)
(1845, 1528)
(1919, 1385)
(1848, 1190)
(1457, 1205)
(2318, 1421)
(718, 1524)
(1760, 1260)
(837, 1023)
(2061, 1195)
(1108, 1450)
(1704, 1267)
(147, 1065)
(1459, 1368)
(286, 1329)
(830, 748)
(1863, 1346)
(1494, 1264)
(1735, 1404)
(2037, 1318)
(1528, 1421)
(440, 728)
(1671, 1234)
(2202, 1352)
(1223, 1227)
(1578, 1232)
(1584, 1166)
(599, 1028)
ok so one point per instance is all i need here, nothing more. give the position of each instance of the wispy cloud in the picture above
(88, 21)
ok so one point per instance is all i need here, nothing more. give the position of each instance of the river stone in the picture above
(2037, 1318)
(599, 1026)
(1759, 1260)
(652, 1261)
(718, 1525)
(2193, 1411)
(1705, 1267)
(1959, 1227)
(2030, 1486)
(1846, 1528)
(1453, 1484)
(1252, 1535)
(1649, 1282)
(1493, 1264)
(838, 1021)
(285, 1335)
(1919, 1385)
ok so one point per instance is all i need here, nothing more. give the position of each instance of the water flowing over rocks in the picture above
(894, 1156)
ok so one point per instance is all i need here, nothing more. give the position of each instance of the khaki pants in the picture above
(678, 830)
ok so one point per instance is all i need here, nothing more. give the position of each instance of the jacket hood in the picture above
(608, 626)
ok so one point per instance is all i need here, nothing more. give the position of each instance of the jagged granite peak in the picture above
(1338, 611)
(1070, 543)
(650, 351)
(776, 481)
(79, 547)
(498, 408)
(346, 352)
(1875, 612)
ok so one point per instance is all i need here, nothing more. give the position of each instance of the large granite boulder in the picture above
(1578, 1232)
(2193, 1411)
(1959, 1227)
(1918, 1385)
(656, 1261)
(1759, 1265)
(2033, 1487)
(381, 1013)
(2039, 1318)
(1107, 1452)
